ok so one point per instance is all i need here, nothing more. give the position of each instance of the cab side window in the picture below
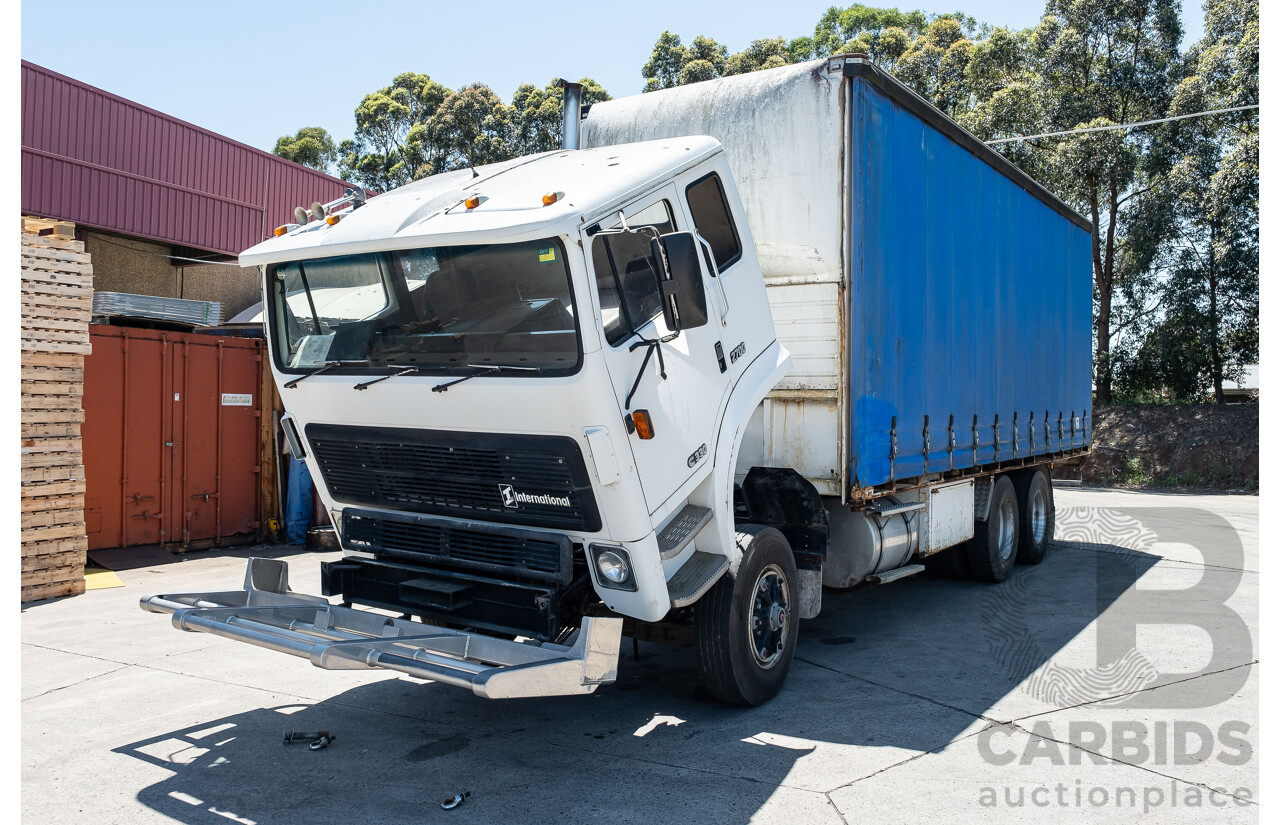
(711, 217)
(627, 275)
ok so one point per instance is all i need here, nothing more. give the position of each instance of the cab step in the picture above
(680, 530)
(696, 577)
(886, 510)
(895, 574)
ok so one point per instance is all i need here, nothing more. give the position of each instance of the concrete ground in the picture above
(927, 699)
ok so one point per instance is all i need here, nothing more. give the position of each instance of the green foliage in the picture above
(390, 142)
(839, 26)
(538, 113)
(1210, 194)
(666, 64)
(311, 146)
(672, 64)
(415, 127)
(471, 127)
(760, 54)
(1175, 206)
(936, 63)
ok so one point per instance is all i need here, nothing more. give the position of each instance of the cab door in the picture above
(684, 405)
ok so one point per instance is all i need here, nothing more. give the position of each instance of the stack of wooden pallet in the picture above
(57, 298)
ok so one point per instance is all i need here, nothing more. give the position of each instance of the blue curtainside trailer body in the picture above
(970, 300)
(935, 299)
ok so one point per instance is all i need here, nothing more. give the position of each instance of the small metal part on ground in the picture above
(455, 800)
(304, 736)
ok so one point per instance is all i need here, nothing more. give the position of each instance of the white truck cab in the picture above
(514, 386)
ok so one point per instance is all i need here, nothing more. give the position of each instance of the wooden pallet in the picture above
(57, 298)
(48, 227)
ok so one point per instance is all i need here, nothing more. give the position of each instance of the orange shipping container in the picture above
(171, 437)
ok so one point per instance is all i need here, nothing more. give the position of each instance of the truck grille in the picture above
(415, 539)
(539, 481)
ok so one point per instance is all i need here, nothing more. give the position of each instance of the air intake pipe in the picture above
(572, 113)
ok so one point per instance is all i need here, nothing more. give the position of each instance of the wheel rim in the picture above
(770, 617)
(1039, 516)
(1007, 529)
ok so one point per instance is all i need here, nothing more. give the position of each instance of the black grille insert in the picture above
(539, 481)
(503, 551)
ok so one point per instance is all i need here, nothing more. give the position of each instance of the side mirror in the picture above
(684, 301)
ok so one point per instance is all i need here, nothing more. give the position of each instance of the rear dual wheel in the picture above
(994, 546)
(1018, 528)
(1036, 513)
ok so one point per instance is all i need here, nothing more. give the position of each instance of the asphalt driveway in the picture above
(1118, 677)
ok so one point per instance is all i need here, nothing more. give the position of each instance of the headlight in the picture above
(613, 567)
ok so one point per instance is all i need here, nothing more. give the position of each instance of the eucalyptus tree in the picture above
(311, 146)
(1211, 193)
(390, 143)
(538, 113)
(1089, 63)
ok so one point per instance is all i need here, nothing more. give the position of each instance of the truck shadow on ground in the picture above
(883, 675)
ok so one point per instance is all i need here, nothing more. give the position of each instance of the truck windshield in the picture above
(435, 308)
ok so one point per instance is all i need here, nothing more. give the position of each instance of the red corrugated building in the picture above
(179, 442)
(145, 189)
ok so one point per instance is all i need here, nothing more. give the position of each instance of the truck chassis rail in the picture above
(266, 613)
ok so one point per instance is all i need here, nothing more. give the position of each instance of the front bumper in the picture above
(267, 614)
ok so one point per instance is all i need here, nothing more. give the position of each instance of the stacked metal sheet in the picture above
(176, 310)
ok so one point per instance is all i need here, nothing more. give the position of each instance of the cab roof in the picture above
(590, 181)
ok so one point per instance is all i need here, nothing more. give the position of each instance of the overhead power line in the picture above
(1122, 125)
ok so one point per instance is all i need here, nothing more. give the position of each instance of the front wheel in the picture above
(746, 625)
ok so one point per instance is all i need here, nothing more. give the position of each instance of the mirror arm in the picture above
(653, 344)
(715, 273)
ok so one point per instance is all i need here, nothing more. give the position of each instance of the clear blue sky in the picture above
(256, 70)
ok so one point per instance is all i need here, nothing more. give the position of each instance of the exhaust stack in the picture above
(572, 113)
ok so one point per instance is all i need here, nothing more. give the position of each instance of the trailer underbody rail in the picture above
(267, 614)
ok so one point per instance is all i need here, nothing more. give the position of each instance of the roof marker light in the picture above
(332, 220)
(551, 197)
(472, 202)
(280, 230)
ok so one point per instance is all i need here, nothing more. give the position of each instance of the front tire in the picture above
(747, 625)
(994, 545)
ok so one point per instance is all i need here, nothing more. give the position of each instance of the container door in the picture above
(125, 417)
(170, 437)
(215, 421)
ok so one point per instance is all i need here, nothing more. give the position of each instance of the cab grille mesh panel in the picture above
(533, 480)
(418, 540)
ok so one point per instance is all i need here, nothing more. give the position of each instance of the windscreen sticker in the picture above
(546, 254)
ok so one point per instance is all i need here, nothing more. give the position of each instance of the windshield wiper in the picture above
(481, 370)
(325, 367)
(364, 385)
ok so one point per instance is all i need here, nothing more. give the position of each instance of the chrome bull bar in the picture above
(266, 613)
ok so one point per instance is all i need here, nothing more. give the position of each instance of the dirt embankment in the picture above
(1188, 445)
